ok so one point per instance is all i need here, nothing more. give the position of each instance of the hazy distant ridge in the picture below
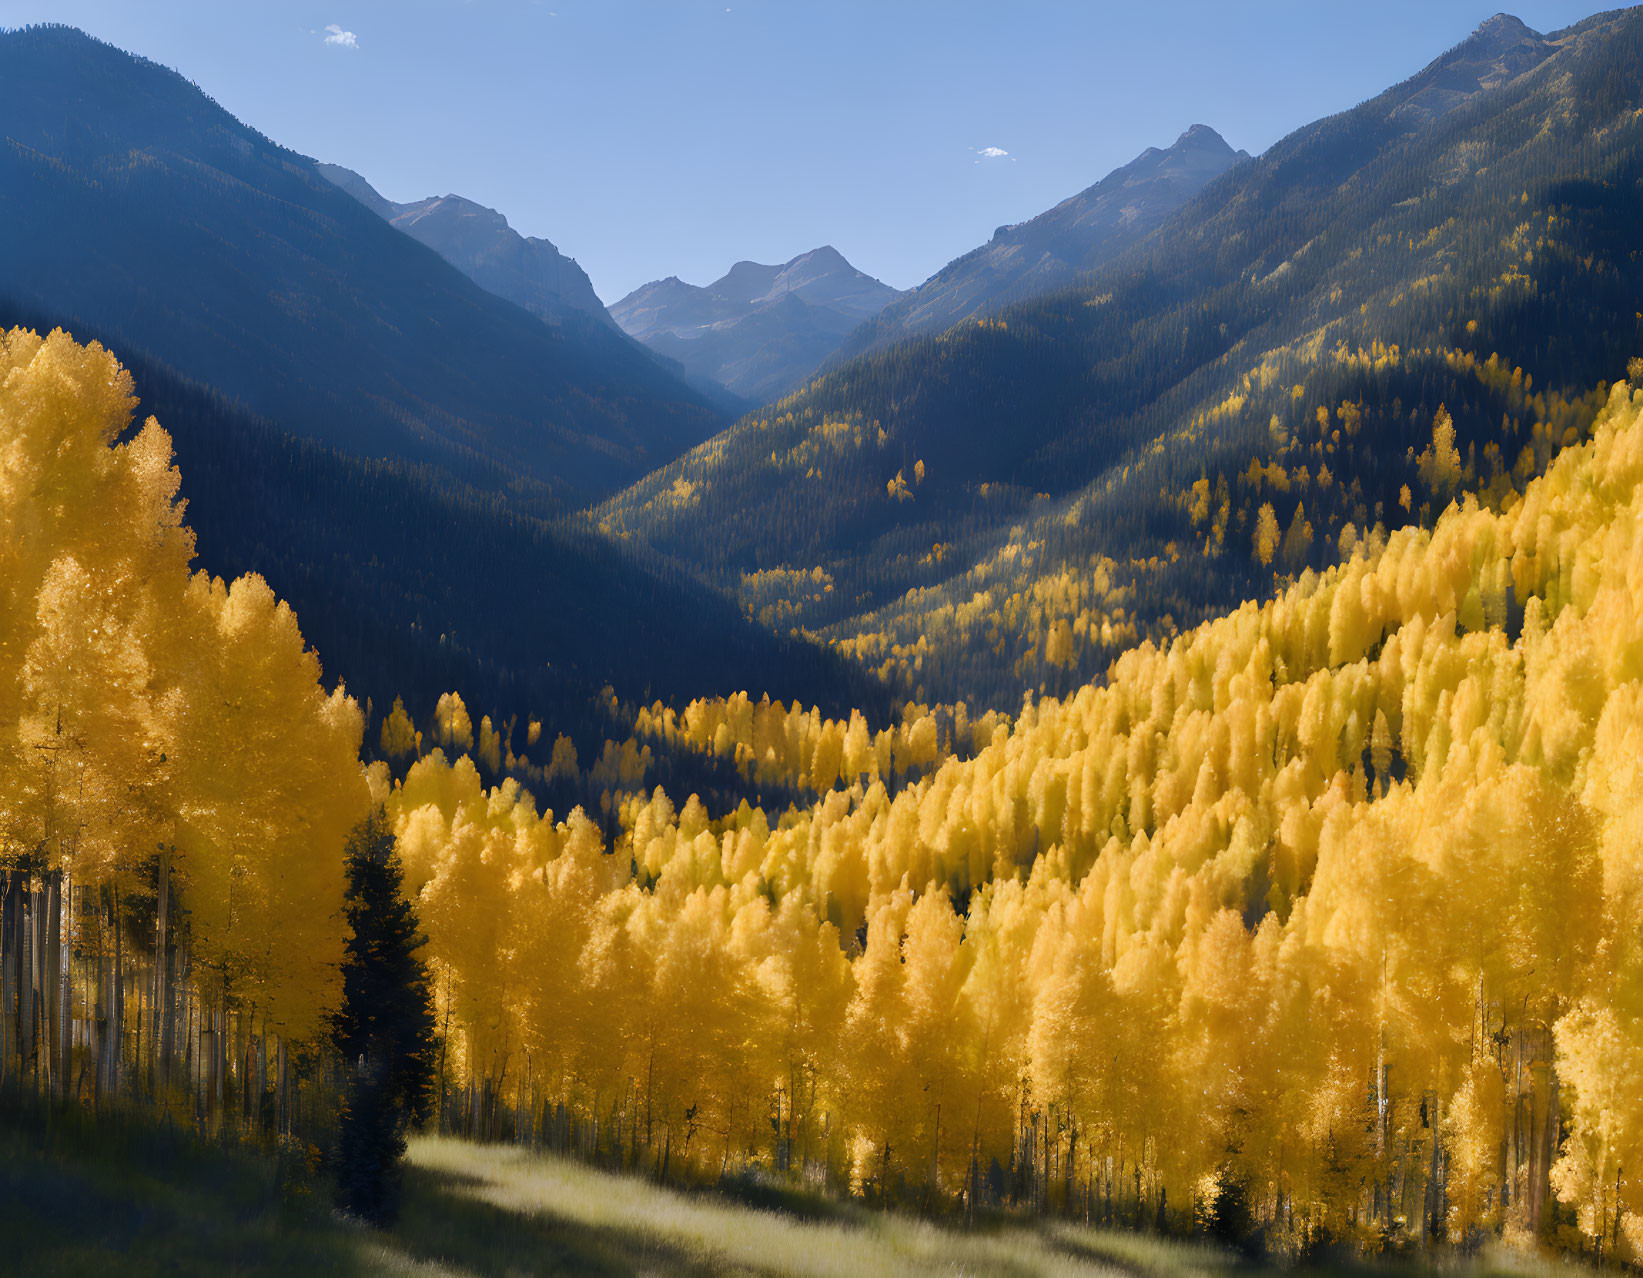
(760, 330)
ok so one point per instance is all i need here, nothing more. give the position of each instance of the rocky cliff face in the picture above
(478, 241)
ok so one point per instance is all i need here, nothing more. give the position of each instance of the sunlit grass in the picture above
(125, 1198)
(670, 1230)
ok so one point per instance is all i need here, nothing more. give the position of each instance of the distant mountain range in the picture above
(1284, 338)
(132, 204)
(1197, 337)
(1048, 251)
(478, 241)
(399, 451)
(760, 330)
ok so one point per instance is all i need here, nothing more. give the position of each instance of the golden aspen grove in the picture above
(1054, 722)
(1326, 908)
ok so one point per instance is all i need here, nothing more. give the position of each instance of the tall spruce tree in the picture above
(385, 1030)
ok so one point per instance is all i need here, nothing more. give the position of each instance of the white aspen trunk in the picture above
(99, 1018)
(65, 985)
(51, 1003)
(1548, 1147)
(159, 1049)
(221, 1043)
(9, 1041)
(25, 987)
(42, 986)
(116, 1036)
(167, 1013)
(207, 1065)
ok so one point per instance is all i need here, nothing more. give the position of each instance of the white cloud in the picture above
(342, 39)
(993, 153)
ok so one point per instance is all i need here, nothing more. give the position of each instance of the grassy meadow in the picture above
(132, 1199)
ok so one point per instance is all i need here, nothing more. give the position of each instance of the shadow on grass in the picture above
(762, 1193)
(125, 1197)
(443, 1222)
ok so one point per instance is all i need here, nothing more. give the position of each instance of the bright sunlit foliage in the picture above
(1324, 911)
(1330, 902)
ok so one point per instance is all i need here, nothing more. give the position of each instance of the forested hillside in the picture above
(1314, 926)
(1015, 501)
(128, 199)
(1316, 920)
(411, 583)
(1165, 756)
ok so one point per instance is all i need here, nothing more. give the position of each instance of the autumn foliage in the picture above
(1325, 910)
(1328, 903)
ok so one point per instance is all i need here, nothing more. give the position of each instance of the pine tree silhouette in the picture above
(385, 1029)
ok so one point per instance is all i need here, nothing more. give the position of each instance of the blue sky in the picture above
(672, 137)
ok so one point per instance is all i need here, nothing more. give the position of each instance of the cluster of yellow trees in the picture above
(175, 786)
(1329, 904)
(1325, 911)
(774, 743)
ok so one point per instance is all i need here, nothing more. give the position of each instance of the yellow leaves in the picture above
(1216, 902)
(1297, 541)
(562, 766)
(897, 488)
(1600, 1054)
(1266, 533)
(1059, 645)
(183, 710)
(1198, 502)
(453, 728)
(1439, 464)
(399, 736)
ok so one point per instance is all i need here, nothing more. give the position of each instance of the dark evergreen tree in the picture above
(385, 1030)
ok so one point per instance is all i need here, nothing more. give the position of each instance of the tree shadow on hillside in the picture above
(444, 1221)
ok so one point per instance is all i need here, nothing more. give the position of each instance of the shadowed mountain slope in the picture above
(129, 198)
(1102, 456)
(409, 584)
(478, 241)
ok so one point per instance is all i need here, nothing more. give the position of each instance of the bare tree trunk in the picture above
(116, 1038)
(65, 985)
(262, 1076)
(99, 1017)
(1434, 1186)
(160, 1049)
(208, 1065)
(168, 1011)
(25, 987)
(219, 1057)
(282, 1112)
(1548, 1151)
(51, 960)
(43, 1036)
(9, 953)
